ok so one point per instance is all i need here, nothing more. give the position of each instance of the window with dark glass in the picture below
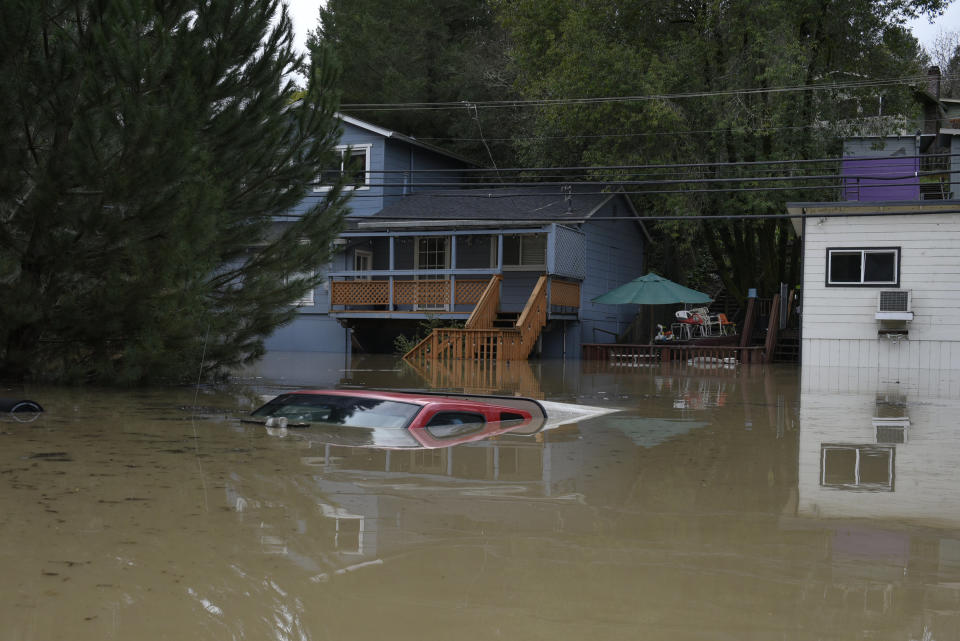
(306, 409)
(525, 250)
(351, 162)
(452, 424)
(863, 266)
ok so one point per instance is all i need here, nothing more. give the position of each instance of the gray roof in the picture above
(497, 204)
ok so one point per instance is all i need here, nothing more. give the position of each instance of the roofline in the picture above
(633, 210)
(410, 140)
(799, 210)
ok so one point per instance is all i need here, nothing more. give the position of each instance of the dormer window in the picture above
(352, 162)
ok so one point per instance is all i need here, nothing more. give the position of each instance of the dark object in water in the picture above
(13, 405)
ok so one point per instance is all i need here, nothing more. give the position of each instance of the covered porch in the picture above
(444, 273)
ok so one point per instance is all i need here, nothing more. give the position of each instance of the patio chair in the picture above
(726, 327)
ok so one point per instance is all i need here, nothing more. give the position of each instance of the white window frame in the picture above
(345, 151)
(416, 252)
(863, 251)
(367, 257)
(308, 299)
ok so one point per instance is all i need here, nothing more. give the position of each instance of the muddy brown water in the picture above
(730, 503)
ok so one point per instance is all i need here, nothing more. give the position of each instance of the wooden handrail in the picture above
(487, 343)
(539, 291)
(415, 353)
(533, 317)
(485, 311)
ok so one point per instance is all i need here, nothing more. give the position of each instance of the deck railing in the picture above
(425, 293)
(706, 356)
(485, 312)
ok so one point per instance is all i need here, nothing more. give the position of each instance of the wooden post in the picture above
(772, 327)
(748, 321)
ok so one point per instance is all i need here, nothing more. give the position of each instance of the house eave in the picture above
(798, 211)
(410, 140)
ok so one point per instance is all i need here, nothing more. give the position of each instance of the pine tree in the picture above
(148, 149)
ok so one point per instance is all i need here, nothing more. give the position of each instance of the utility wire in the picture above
(737, 163)
(491, 104)
(374, 221)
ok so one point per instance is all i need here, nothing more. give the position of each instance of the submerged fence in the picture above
(616, 355)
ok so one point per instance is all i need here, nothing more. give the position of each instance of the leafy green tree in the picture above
(711, 52)
(148, 148)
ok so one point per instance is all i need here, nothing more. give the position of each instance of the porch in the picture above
(444, 273)
(405, 295)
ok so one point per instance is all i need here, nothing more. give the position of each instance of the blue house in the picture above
(419, 246)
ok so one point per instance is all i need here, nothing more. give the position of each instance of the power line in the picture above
(880, 160)
(669, 217)
(920, 123)
(543, 102)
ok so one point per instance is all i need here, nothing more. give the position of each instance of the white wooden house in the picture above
(880, 291)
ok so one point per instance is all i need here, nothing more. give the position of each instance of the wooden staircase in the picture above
(489, 334)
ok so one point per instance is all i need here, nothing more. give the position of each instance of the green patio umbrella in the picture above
(652, 290)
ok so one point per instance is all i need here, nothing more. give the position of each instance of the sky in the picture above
(304, 14)
(926, 33)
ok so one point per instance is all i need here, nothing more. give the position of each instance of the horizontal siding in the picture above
(881, 352)
(614, 255)
(929, 268)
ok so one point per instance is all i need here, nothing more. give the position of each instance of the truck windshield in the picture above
(354, 411)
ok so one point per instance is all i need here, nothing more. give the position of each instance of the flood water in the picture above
(746, 503)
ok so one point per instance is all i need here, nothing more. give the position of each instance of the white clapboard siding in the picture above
(839, 326)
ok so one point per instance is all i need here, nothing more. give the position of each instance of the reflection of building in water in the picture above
(875, 446)
(383, 499)
(367, 504)
(878, 471)
(480, 376)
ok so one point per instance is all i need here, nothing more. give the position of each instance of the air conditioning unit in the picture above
(894, 304)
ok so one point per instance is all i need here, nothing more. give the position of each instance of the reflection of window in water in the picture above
(520, 463)
(357, 458)
(857, 467)
(431, 460)
(473, 463)
(349, 536)
(418, 461)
